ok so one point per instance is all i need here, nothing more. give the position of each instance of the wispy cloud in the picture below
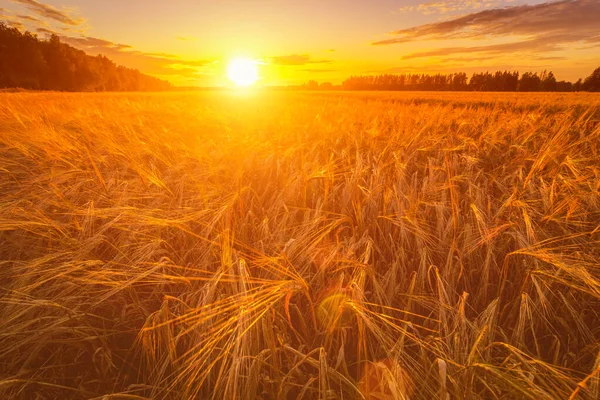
(318, 71)
(12, 20)
(451, 6)
(469, 59)
(537, 45)
(148, 62)
(296, 59)
(92, 43)
(566, 21)
(29, 18)
(15, 24)
(45, 31)
(529, 30)
(47, 11)
(551, 58)
(460, 66)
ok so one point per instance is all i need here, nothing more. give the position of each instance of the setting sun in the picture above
(243, 72)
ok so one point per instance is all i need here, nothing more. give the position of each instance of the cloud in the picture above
(179, 70)
(29, 18)
(449, 6)
(593, 39)
(296, 59)
(572, 20)
(527, 29)
(45, 31)
(553, 58)
(448, 67)
(162, 64)
(318, 71)
(538, 45)
(91, 43)
(15, 24)
(468, 59)
(47, 11)
(81, 30)
(21, 22)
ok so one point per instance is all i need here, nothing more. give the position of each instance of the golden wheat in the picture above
(291, 245)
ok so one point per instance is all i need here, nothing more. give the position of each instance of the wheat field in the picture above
(299, 246)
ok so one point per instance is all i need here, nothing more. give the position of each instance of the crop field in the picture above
(274, 245)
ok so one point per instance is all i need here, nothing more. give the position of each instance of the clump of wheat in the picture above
(299, 246)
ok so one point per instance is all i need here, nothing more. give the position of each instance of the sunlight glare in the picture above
(243, 71)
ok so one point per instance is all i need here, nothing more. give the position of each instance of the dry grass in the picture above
(291, 246)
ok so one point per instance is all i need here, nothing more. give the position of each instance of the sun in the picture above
(243, 71)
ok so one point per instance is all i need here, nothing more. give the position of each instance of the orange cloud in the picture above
(566, 20)
(296, 59)
(150, 63)
(45, 31)
(449, 6)
(543, 28)
(47, 11)
(537, 45)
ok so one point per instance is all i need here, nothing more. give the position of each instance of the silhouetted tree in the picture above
(459, 82)
(564, 86)
(530, 82)
(311, 85)
(592, 82)
(500, 81)
(548, 82)
(407, 82)
(30, 63)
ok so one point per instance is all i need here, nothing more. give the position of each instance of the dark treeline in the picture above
(506, 81)
(30, 63)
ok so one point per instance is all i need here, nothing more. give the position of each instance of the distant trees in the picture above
(407, 82)
(548, 82)
(314, 85)
(500, 81)
(592, 82)
(529, 82)
(30, 63)
(311, 85)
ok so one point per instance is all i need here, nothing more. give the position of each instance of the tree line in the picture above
(500, 81)
(31, 63)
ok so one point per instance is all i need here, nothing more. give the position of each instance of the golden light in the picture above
(243, 71)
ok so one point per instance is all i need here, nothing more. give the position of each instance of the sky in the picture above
(190, 42)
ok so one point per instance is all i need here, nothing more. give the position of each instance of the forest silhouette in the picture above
(500, 81)
(28, 62)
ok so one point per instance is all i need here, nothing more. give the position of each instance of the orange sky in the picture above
(189, 42)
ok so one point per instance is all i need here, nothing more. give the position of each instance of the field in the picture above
(299, 245)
